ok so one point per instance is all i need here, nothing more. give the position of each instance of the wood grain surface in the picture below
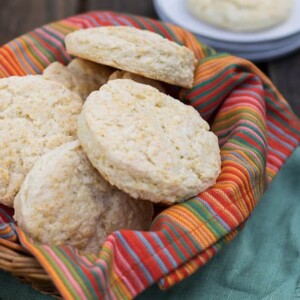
(20, 16)
(285, 74)
(138, 7)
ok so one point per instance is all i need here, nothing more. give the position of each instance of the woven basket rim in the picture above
(27, 269)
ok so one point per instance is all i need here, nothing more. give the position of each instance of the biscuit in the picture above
(148, 144)
(64, 200)
(137, 78)
(36, 115)
(241, 15)
(80, 76)
(134, 50)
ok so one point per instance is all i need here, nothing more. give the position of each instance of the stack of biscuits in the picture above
(87, 148)
(241, 15)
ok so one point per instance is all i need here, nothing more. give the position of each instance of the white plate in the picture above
(264, 55)
(176, 12)
(251, 47)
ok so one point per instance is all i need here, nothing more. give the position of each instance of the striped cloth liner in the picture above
(257, 132)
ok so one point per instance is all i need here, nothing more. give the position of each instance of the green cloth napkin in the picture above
(263, 262)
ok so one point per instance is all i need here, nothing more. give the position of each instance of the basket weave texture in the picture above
(248, 115)
(25, 267)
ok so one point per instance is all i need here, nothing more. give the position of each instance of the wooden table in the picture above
(19, 16)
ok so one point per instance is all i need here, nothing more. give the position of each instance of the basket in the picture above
(26, 268)
(246, 112)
